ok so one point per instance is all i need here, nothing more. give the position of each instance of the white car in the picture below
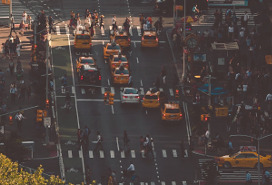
(130, 95)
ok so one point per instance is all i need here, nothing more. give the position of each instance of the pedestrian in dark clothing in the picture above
(51, 24)
(98, 142)
(141, 143)
(11, 67)
(126, 141)
(86, 134)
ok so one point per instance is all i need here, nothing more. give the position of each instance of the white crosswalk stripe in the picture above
(171, 92)
(112, 154)
(161, 89)
(130, 31)
(102, 90)
(141, 91)
(139, 30)
(83, 91)
(162, 183)
(186, 153)
(175, 154)
(184, 183)
(173, 183)
(112, 90)
(164, 154)
(133, 155)
(91, 154)
(80, 154)
(101, 154)
(70, 154)
(123, 154)
(58, 30)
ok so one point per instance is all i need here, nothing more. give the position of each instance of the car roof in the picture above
(171, 106)
(116, 56)
(130, 88)
(89, 67)
(112, 44)
(82, 58)
(150, 93)
(151, 33)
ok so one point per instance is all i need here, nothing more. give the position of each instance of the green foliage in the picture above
(10, 174)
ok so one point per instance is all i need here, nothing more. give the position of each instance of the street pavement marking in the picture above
(162, 183)
(80, 153)
(139, 30)
(66, 29)
(175, 154)
(137, 60)
(132, 153)
(119, 27)
(130, 31)
(134, 44)
(141, 91)
(83, 91)
(164, 154)
(102, 31)
(110, 27)
(112, 154)
(173, 182)
(108, 81)
(58, 30)
(152, 183)
(101, 153)
(70, 154)
(73, 90)
(123, 154)
(142, 83)
(161, 89)
(112, 90)
(91, 154)
(142, 183)
(184, 183)
(112, 109)
(171, 92)
(142, 153)
(103, 90)
(186, 153)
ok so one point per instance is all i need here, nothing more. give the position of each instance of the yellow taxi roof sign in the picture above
(268, 59)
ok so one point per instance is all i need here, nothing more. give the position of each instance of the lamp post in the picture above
(184, 35)
(258, 149)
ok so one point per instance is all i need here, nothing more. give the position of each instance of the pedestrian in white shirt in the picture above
(246, 18)
(24, 16)
(19, 118)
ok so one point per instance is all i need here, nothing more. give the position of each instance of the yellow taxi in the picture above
(150, 39)
(245, 160)
(120, 75)
(111, 49)
(82, 41)
(153, 98)
(84, 60)
(117, 60)
(122, 38)
(171, 112)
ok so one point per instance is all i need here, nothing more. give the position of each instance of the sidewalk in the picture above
(30, 130)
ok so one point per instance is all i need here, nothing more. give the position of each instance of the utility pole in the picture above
(184, 48)
(10, 12)
(210, 90)
(46, 88)
(174, 12)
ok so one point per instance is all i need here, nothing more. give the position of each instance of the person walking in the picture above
(248, 178)
(13, 92)
(11, 67)
(19, 119)
(79, 138)
(266, 177)
(86, 134)
(230, 147)
(126, 141)
(24, 16)
(245, 19)
(114, 23)
(51, 24)
(98, 142)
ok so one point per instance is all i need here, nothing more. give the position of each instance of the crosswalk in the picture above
(208, 19)
(132, 154)
(160, 183)
(232, 174)
(17, 10)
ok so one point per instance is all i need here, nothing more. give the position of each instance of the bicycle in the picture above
(128, 178)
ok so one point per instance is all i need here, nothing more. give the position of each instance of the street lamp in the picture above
(258, 148)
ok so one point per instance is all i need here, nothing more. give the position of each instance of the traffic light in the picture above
(177, 93)
(111, 98)
(10, 119)
(106, 96)
(6, 2)
(205, 117)
(47, 104)
(39, 115)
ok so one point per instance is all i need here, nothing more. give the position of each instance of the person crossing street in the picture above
(98, 142)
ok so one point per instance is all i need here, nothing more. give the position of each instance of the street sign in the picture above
(47, 121)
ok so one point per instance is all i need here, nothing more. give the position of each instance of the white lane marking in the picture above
(175, 154)
(161, 89)
(112, 109)
(184, 183)
(73, 90)
(83, 91)
(112, 90)
(103, 42)
(162, 183)
(142, 183)
(146, 112)
(117, 143)
(102, 90)
(137, 60)
(173, 182)
(139, 30)
(171, 92)
(141, 83)
(101, 153)
(112, 155)
(102, 31)
(152, 183)
(186, 153)
(119, 27)
(66, 29)
(110, 27)
(80, 154)
(130, 31)
(108, 81)
(123, 154)
(164, 154)
(141, 91)
(70, 154)
(91, 156)
(132, 153)
(134, 44)
(58, 30)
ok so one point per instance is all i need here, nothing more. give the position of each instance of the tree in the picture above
(11, 174)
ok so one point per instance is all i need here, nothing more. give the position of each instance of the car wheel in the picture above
(227, 165)
(261, 166)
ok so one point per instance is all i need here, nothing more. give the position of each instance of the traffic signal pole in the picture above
(10, 12)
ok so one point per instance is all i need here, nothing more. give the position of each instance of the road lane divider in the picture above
(117, 144)
(80, 154)
(137, 60)
(123, 154)
(101, 154)
(112, 109)
(171, 92)
(175, 154)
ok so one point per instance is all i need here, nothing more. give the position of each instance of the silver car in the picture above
(130, 95)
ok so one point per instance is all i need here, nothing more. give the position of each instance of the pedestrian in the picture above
(24, 16)
(98, 142)
(182, 149)
(266, 177)
(22, 27)
(11, 67)
(101, 22)
(126, 141)
(19, 118)
(12, 28)
(230, 32)
(245, 19)
(13, 92)
(248, 178)
(79, 137)
(51, 24)
(86, 134)
(29, 22)
(141, 143)
(130, 81)
(114, 23)
(230, 147)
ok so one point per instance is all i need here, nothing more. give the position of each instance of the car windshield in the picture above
(130, 91)
(149, 97)
(118, 71)
(172, 111)
(83, 37)
(121, 37)
(87, 61)
(115, 47)
(150, 37)
(123, 59)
